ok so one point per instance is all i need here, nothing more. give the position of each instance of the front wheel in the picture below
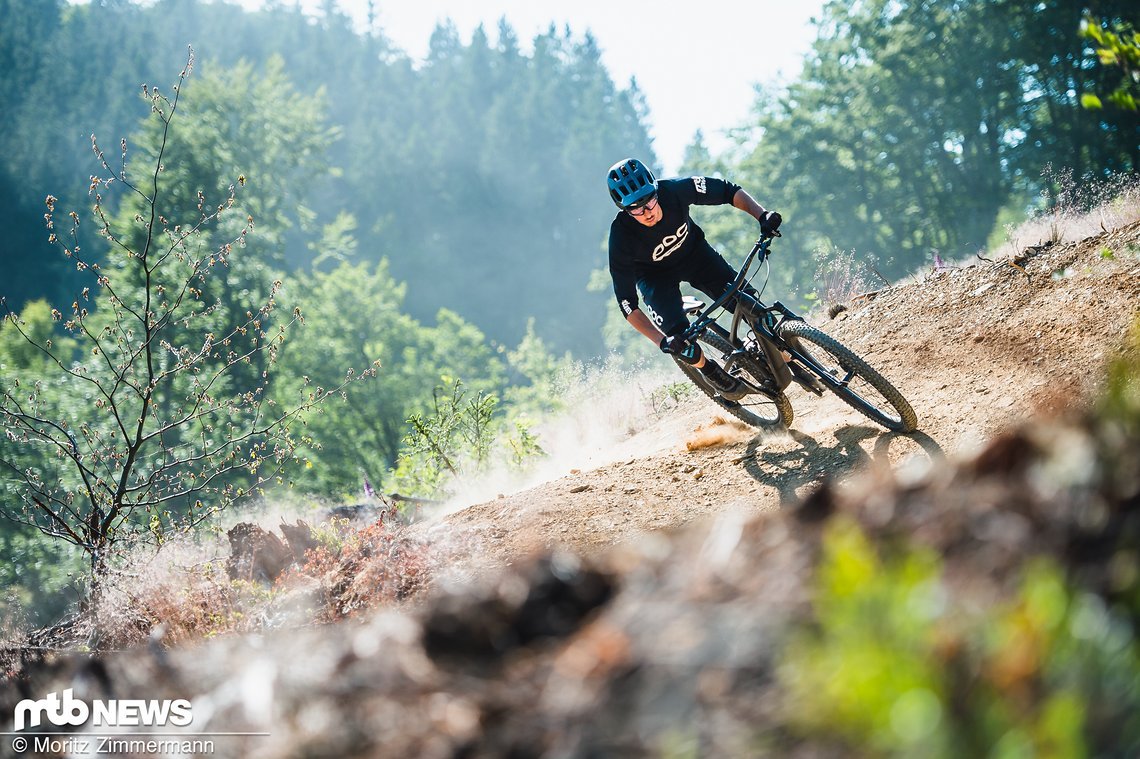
(850, 377)
(762, 407)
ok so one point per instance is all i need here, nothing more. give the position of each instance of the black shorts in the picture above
(704, 269)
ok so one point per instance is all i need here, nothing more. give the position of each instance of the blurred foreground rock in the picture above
(679, 644)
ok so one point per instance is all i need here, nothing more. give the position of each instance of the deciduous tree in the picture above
(160, 425)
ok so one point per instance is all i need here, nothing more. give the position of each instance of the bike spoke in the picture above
(849, 376)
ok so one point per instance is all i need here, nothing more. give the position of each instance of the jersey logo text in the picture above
(671, 243)
(699, 183)
(654, 316)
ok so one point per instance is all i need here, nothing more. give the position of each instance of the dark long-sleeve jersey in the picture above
(636, 249)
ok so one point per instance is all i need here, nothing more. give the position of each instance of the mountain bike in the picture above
(769, 347)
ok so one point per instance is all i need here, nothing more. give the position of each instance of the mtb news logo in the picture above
(67, 710)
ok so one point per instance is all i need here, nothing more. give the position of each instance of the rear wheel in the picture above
(850, 377)
(762, 407)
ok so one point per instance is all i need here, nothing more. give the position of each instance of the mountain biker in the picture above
(655, 245)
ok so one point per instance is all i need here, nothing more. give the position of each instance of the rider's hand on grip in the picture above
(769, 223)
(675, 345)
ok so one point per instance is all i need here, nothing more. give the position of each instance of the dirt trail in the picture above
(974, 349)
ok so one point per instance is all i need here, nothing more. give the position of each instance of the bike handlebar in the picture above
(706, 318)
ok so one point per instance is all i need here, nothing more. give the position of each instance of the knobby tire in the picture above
(874, 397)
(760, 410)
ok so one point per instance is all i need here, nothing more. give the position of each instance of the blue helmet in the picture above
(631, 183)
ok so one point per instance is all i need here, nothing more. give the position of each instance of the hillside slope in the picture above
(974, 349)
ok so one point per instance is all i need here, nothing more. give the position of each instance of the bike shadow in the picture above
(790, 470)
(928, 445)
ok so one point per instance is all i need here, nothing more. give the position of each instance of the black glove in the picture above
(677, 346)
(769, 223)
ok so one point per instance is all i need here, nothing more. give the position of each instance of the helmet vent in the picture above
(630, 183)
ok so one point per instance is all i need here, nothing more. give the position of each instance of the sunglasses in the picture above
(642, 210)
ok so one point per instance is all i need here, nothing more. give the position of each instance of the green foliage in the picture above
(889, 143)
(355, 316)
(34, 570)
(37, 575)
(506, 182)
(456, 433)
(1119, 47)
(913, 124)
(475, 175)
(163, 416)
(21, 339)
(463, 433)
(1054, 65)
(332, 535)
(541, 379)
(870, 659)
(524, 446)
(240, 130)
(667, 397)
(901, 664)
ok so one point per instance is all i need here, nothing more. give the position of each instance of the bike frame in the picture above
(785, 359)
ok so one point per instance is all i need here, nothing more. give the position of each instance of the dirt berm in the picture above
(975, 349)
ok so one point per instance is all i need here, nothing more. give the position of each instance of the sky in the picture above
(697, 63)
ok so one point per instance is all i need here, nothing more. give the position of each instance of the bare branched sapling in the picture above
(166, 416)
